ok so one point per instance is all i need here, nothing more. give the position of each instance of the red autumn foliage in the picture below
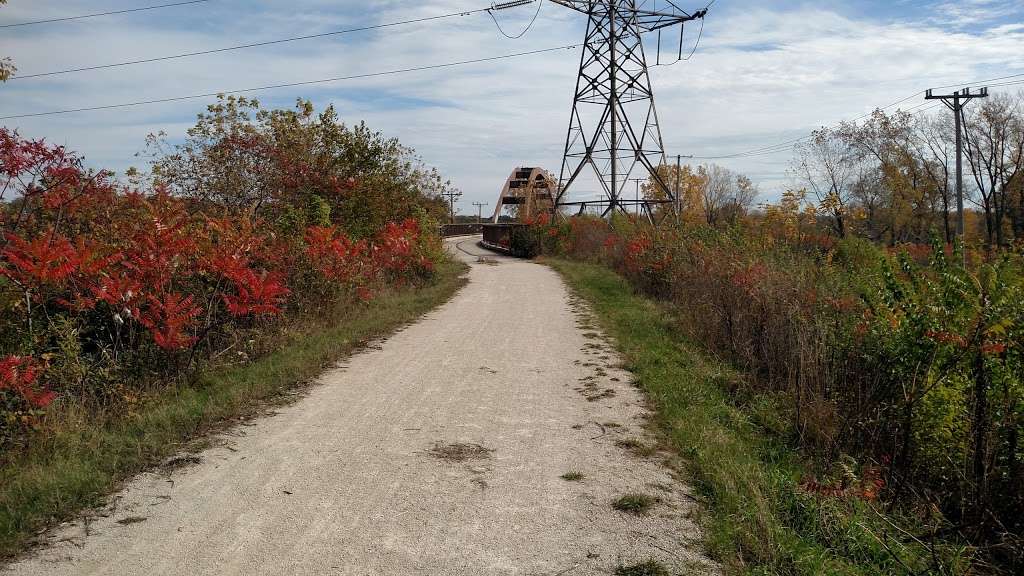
(394, 246)
(18, 375)
(748, 277)
(43, 260)
(391, 254)
(334, 254)
(256, 293)
(142, 275)
(168, 316)
(867, 487)
(947, 338)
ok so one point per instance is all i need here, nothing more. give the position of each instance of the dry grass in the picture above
(637, 447)
(459, 452)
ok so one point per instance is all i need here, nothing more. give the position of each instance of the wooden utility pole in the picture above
(679, 192)
(479, 211)
(679, 173)
(638, 181)
(956, 102)
(452, 195)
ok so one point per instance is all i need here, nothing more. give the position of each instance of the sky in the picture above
(763, 73)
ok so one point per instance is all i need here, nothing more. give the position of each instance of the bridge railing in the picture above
(460, 229)
(511, 238)
(505, 237)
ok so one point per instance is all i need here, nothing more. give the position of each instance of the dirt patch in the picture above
(649, 568)
(179, 462)
(459, 452)
(609, 393)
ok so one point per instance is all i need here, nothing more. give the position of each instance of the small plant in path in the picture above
(637, 447)
(572, 476)
(635, 503)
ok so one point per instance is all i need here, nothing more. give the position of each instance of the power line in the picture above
(978, 82)
(682, 32)
(782, 146)
(1017, 83)
(293, 84)
(112, 13)
(252, 45)
(525, 30)
(699, 36)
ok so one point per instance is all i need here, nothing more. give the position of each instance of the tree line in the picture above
(892, 178)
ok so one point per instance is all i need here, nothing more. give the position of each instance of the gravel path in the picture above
(438, 451)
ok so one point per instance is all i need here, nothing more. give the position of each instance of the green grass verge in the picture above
(77, 465)
(757, 520)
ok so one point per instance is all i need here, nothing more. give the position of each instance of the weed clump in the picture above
(635, 503)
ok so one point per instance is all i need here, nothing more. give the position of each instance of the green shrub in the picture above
(906, 361)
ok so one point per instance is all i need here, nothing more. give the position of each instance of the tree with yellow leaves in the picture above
(827, 165)
(7, 68)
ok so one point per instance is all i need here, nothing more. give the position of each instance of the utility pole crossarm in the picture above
(479, 211)
(958, 98)
(646, 20)
(649, 21)
(964, 94)
(577, 5)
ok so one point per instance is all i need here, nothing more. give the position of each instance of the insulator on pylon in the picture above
(512, 4)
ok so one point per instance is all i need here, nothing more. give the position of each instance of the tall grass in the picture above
(739, 453)
(898, 374)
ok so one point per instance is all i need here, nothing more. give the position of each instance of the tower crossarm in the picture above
(646, 20)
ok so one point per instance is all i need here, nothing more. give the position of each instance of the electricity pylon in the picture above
(614, 124)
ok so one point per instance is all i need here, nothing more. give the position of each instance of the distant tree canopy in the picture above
(708, 194)
(295, 168)
(892, 177)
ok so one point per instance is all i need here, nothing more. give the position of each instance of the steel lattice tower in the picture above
(614, 123)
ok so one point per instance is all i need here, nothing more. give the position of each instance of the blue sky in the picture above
(764, 73)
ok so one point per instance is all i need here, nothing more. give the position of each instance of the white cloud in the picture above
(962, 13)
(761, 76)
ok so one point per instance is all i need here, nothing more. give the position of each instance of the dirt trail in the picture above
(439, 451)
